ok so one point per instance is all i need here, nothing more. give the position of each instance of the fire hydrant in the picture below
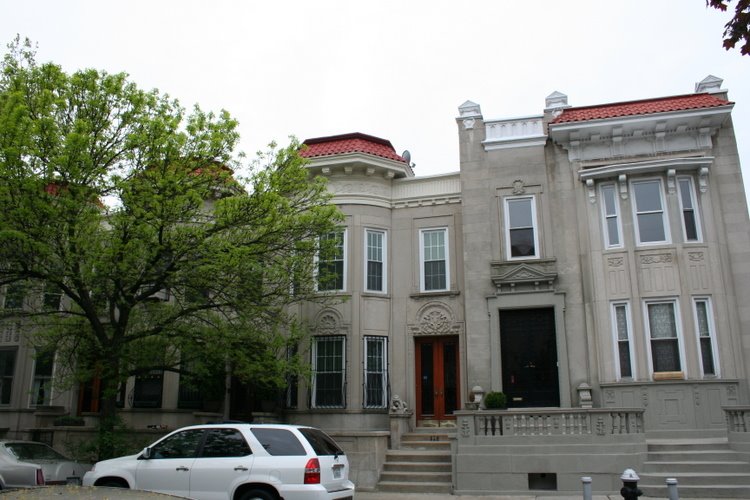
(630, 490)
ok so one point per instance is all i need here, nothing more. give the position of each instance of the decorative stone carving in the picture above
(703, 179)
(644, 396)
(696, 256)
(528, 276)
(584, 395)
(435, 318)
(519, 187)
(615, 261)
(591, 189)
(664, 258)
(329, 322)
(465, 430)
(398, 405)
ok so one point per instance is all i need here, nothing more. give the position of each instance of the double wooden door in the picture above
(437, 377)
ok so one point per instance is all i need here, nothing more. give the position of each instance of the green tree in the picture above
(125, 206)
(737, 30)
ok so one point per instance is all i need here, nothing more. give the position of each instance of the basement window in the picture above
(542, 481)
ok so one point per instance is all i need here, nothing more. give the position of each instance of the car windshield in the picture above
(321, 442)
(33, 451)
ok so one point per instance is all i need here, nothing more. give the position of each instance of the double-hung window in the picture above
(662, 325)
(14, 296)
(332, 262)
(376, 371)
(705, 333)
(434, 260)
(690, 221)
(41, 391)
(329, 372)
(522, 241)
(623, 341)
(611, 217)
(650, 220)
(7, 368)
(375, 261)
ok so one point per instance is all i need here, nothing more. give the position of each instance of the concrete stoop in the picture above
(422, 465)
(703, 468)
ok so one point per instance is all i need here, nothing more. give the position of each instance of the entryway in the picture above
(528, 347)
(437, 378)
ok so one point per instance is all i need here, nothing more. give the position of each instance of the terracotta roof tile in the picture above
(643, 107)
(350, 143)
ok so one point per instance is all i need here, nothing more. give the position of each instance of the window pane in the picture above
(666, 355)
(148, 389)
(625, 365)
(651, 227)
(224, 443)
(375, 372)
(519, 213)
(7, 367)
(685, 194)
(707, 356)
(181, 445)
(329, 372)
(622, 323)
(434, 275)
(691, 228)
(613, 235)
(522, 242)
(279, 442)
(662, 321)
(331, 265)
(14, 294)
(648, 196)
(608, 193)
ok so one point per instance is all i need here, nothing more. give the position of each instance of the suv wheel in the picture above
(257, 495)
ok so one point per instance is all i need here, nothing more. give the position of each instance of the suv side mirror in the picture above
(146, 452)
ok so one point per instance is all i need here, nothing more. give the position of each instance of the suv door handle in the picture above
(241, 468)
(182, 468)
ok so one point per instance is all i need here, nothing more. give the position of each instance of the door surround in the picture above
(532, 301)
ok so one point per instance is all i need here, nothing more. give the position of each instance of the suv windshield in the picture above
(321, 442)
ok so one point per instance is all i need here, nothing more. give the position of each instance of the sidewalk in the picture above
(377, 495)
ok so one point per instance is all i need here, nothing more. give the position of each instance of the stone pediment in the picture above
(527, 276)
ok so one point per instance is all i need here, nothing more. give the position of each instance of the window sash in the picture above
(521, 228)
(434, 255)
(664, 336)
(376, 372)
(329, 372)
(611, 217)
(375, 261)
(690, 221)
(704, 333)
(623, 342)
(331, 270)
(148, 389)
(7, 370)
(648, 205)
(41, 390)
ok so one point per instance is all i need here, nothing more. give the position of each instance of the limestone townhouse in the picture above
(592, 263)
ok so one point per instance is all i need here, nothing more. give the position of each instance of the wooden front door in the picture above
(529, 357)
(438, 394)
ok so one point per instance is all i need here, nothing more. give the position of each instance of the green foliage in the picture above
(129, 206)
(69, 420)
(737, 30)
(495, 400)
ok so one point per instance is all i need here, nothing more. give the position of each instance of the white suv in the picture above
(234, 462)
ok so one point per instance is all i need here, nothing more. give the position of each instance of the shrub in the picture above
(495, 400)
(69, 420)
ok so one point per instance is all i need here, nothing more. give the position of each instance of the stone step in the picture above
(424, 436)
(694, 466)
(418, 466)
(688, 446)
(695, 456)
(417, 456)
(416, 477)
(407, 487)
(686, 491)
(426, 445)
(695, 478)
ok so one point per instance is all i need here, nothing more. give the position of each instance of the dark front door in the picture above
(437, 377)
(529, 357)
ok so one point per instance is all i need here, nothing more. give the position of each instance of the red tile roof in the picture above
(643, 107)
(350, 143)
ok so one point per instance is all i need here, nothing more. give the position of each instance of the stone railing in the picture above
(560, 422)
(738, 418)
(514, 132)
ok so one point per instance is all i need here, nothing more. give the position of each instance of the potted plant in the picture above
(495, 400)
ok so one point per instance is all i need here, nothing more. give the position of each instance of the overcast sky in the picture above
(394, 69)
